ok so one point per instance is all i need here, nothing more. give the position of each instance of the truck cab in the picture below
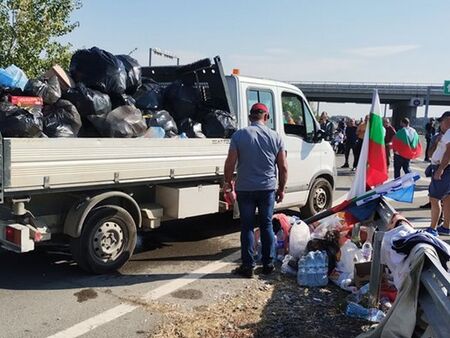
(310, 159)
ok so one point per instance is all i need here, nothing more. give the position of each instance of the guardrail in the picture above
(434, 290)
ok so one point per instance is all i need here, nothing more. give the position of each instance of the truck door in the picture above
(299, 128)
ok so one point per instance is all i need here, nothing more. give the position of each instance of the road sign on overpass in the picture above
(447, 87)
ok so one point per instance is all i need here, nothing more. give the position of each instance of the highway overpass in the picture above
(403, 98)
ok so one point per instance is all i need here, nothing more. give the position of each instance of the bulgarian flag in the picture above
(372, 165)
(406, 143)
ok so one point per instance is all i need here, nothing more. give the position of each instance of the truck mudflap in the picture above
(19, 237)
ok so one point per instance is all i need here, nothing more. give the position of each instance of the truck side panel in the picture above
(37, 164)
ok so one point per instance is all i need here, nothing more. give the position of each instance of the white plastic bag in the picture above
(298, 239)
(329, 223)
(350, 254)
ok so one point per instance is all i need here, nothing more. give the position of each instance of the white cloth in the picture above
(395, 261)
(436, 158)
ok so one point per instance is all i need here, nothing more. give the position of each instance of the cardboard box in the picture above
(65, 81)
(362, 273)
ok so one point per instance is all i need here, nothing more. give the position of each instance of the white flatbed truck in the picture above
(98, 192)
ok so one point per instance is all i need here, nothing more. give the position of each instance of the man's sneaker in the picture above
(345, 166)
(443, 230)
(432, 231)
(354, 169)
(267, 269)
(244, 271)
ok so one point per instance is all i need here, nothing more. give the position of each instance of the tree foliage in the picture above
(29, 30)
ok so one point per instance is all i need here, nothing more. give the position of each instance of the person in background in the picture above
(433, 145)
(360, 131)
(390, 133)
(288, 119)
(406, 146)
(327, 126)
(439, 190)
(350, 142)
(430, 130)
(341, 125)
(258, 152)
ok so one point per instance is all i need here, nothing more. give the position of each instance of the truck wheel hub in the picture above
(108, 240)
(320, 198)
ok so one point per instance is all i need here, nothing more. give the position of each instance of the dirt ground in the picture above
(272, 306)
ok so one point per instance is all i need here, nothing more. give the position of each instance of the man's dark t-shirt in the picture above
(350, 134)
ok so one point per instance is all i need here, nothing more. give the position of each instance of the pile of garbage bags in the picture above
(104, 95)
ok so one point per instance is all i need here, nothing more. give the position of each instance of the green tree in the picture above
(29, 30)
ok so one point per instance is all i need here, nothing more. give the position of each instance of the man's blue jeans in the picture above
(248, 201)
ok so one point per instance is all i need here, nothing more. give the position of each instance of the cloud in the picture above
(380, 51)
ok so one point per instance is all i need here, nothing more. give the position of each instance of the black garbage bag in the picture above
(49, 90)
(181, 101)
(125, 121)
(149, 96)
(121, 100)
(88, 101)
(162, 119)
(133, 70)
(100, 70)
(191, 128)
(20, 122)
(61, 119)
(219, 124)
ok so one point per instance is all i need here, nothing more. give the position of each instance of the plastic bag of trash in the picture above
(121, 100)
(149, 96)
(133, 70)
(191, 128)
(88, 101)
(155, 132)
(49, 90)
(99, 69)
(181, 100)
(20, 122)
(125, 121)
(13, 77)
(298, 239)
(288, 269)
(162, 119)
(219, 124)
(61, 119)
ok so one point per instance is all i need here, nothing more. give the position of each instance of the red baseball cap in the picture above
(259, 108)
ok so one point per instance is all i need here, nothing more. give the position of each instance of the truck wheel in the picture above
(107, 240)
(319, 199)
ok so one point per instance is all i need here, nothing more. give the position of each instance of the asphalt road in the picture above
(182, 265)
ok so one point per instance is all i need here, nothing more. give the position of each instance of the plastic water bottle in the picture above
(322, 271)
(366, 251)
(359, 311)
(301, 272)
(311, 270)
(280, 245)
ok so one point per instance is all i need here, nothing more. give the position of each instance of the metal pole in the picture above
(427, 102)
(385, 108)
(150, 52)
(318, 107)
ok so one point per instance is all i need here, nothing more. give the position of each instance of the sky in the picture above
(388, 41)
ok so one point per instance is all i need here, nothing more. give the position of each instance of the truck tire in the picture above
(319, 199)
(107, 240)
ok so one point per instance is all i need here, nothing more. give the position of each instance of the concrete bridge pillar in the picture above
(400, 110)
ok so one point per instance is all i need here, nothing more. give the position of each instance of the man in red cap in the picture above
(258, 152)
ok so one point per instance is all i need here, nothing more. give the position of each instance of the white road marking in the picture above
(122, 309)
